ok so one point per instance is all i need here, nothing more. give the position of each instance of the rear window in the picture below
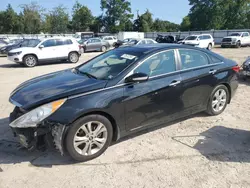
(68, 41)
(214, 59)
(191, 38)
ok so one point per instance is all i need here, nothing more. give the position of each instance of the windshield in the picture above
(235, 34)
(133, 42)
(107, 66)
(191, 38)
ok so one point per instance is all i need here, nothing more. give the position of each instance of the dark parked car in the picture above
(123, 42)
(94, 44)
(246, 68)
(117, 93)
(22, 43)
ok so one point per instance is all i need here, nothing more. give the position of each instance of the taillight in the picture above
(236, 68)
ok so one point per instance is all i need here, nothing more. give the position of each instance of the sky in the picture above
(171, 10)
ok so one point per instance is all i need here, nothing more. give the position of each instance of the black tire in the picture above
(30, 61)
(238, 44)
(209, 47)
(210, 109)
(73, 57)
(103, 48)
(75, 127)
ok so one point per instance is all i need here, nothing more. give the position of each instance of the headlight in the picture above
(32, 118)
(17, 53)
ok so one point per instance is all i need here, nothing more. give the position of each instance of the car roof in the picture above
(151, 48)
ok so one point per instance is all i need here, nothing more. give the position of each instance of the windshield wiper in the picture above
(85, 73)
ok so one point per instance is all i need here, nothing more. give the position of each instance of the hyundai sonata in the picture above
(117, 93)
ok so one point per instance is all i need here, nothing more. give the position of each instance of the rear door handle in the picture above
(174, 83)
(212, 71)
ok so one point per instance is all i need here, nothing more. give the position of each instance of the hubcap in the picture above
(73, 57)
(90, 138)
(30, 61)
(219, 100)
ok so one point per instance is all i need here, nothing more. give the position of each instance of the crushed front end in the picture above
(43, 135)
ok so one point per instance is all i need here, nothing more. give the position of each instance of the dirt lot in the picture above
(200, 151)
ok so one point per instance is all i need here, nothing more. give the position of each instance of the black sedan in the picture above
(118, 93)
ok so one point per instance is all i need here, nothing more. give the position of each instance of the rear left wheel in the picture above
(104, 48)
(89, 137)
(209, 47)
(218, 100)
(73, 57)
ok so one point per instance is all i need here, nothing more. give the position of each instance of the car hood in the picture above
(50, 87)
(191, 41)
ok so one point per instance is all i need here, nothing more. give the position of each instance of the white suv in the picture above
(201, 41)
(52, 49)
(110, 39)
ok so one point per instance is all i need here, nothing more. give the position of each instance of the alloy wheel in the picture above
(90, 138)
(30, 61)
(73, 57)
(219, 100)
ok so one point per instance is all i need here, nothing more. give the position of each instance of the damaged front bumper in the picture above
(45, 135)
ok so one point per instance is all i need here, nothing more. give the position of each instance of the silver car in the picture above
(95, 44)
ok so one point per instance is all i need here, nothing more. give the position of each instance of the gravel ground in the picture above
(199, 151)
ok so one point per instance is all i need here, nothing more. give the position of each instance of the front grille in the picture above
(227, 40)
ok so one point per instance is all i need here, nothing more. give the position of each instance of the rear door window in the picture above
(49, 43)
(192, 58)
(59, 42)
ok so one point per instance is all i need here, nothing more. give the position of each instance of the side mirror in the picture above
(137, 77)
(41, 46)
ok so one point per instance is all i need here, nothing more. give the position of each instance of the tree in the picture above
(57, 20)
(185, 24)
(32, 16)
(10, 21)
(218, 14)
(144, 22)
(117, 14)
(82, 17)
(165, 26)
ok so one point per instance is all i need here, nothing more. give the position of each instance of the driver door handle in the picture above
(174, 83)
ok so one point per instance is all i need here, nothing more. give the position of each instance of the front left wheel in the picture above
(89, 137)
(30, 61)
(73, 57)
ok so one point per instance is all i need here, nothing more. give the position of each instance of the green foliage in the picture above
(82, 17)
(32, 18)
(185, 24)
(117, 14)
(57, 20)
(219, 14)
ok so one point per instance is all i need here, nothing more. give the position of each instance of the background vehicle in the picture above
(3, 43)
(52, 49)
(236, 40)
(201, 41)
(19, 43)
(83, 35)
(135, 42)
(110, 39)
(122, 42)
(95, 44)
(114, 95)
(168, 39)
(246, 68)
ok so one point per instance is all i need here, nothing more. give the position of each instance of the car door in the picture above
(198, 77)
(61, 49)
(94, 44)
(157, 100)
(47, 50)
(202, 41)
(245, 39)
